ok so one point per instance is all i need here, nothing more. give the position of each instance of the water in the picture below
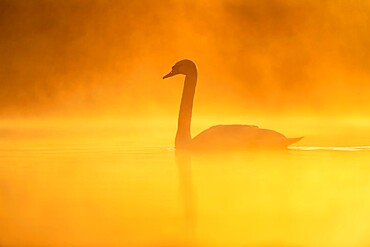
(96, 189)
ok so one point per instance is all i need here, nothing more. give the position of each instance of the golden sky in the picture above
(95, 57)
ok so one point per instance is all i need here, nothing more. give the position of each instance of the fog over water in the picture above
(87, 126)
(100, 190)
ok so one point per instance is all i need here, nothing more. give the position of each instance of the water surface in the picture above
(71, 189)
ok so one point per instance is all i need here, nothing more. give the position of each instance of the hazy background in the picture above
(107, 58)
(87, 123)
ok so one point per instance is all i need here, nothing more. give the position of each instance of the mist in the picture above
(92, 58)
(91, 153)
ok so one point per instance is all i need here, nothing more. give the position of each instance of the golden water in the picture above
(83, 189)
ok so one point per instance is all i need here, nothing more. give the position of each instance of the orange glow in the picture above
(88, 124)
(95, 57)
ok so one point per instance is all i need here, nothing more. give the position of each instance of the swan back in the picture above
(239, 137)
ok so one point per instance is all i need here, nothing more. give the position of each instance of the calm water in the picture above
(74, 190)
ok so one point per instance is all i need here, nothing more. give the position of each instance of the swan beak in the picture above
(169, 74)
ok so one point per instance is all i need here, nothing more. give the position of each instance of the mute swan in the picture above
(219, 137)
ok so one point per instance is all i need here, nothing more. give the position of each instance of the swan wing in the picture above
(238, 137)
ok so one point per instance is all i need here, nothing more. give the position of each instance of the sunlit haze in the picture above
(88, 125)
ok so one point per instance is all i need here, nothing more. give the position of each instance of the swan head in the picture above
(183, 67)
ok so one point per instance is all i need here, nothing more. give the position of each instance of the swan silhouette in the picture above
(219, 137)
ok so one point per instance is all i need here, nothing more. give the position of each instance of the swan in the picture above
(219, 137)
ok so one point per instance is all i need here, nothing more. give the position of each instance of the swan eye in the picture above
(174, 68)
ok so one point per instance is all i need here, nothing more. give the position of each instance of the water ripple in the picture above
(329, 148)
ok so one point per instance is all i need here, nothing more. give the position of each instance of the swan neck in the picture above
(183, 136)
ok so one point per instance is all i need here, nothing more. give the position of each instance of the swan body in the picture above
(219, 137)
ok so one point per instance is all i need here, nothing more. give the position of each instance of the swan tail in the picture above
(290, 141)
